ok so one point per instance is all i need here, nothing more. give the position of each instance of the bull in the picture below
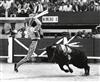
(64, 55)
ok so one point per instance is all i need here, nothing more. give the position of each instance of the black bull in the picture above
(78, 58)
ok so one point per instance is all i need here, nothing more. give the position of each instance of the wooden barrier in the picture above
(12, 51)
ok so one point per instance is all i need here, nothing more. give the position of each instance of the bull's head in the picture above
(49, 51)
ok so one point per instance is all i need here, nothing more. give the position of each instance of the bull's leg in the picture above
(87, 70)
(61, 67)
(69, 68)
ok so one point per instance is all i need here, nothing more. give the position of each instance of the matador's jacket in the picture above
(34, 30)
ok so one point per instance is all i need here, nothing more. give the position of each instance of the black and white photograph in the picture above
(49, 40)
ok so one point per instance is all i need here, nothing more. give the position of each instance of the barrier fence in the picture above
(11, 48)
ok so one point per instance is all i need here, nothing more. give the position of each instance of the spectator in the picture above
(19, 6)
(22, 14)
(89, 35)
(91, 6)
(83, 6)
(21, 2)
(55, 35)
(79, 34)
(6, 5)
(13, 10)
(2, 11)
(97, 3)
(42, 1)
(97, 28)
(19, 26)
(26, 6)
(31, 5)
(45, 6)
(53, 1)
(83, 34)
(84, 1)
(68, 7)
(67, 34)
(40, 7)
(61, 8)
(7, 28)
(19, 34)
(65, 1)
(35, 7)
(76, 7)
(98, 8)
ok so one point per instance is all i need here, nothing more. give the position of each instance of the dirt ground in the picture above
(46, 72)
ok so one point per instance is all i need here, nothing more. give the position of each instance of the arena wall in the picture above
(91, 47)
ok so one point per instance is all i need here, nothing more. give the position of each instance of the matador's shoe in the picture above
(15, 68)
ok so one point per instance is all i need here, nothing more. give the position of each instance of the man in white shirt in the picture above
(6, 5)
(68, 7)
(61, 8)
(40, 7)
